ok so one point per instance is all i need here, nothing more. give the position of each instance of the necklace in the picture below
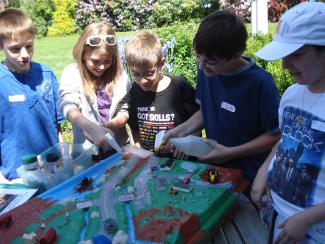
(313, 103)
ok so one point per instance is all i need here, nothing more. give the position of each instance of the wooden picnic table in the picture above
(243, 225)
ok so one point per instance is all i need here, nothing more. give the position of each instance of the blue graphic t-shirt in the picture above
(297, 172)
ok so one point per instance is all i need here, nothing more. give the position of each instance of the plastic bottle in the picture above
(30, 162)
(192, 145)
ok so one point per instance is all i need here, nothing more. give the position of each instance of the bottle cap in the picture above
(29, 159)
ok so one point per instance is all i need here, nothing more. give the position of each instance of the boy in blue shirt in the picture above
(29, 116)
(238, 100)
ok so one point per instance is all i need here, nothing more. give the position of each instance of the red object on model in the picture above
(5, 221)
(49, 237)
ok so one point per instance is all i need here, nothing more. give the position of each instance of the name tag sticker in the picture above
(228, 107)
(17, 98)
(318, 125)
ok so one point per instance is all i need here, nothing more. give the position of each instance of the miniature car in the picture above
(172, 191)
(155, 167)
(110, 225)
(186, 180)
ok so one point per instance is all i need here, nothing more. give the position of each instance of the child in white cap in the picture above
(295, 170)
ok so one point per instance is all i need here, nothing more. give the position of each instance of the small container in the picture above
(54, 162)
(30, 162)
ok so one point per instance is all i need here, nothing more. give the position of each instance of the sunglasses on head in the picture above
(97, 40)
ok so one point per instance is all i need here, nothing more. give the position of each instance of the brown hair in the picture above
(221, 34)
(112, 74)
(14, 21)
(143, 49)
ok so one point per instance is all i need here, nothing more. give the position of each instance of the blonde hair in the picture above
(143, 49)
(14, 21)
(112, 74)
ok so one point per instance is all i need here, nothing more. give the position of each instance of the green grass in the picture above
(55, 51)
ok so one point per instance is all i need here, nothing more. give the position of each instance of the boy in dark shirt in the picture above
(238, 100)
(155, 102)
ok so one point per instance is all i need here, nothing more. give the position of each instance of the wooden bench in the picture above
(243, 225)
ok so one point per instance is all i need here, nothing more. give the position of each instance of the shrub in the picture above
(277, 8)
(281, 77)
(182, 60)
(128, 15)
(241, 7)
(40, 11)
(90, 11)
(63, 18)
(13, 4)
(132, 14)
(167, 12)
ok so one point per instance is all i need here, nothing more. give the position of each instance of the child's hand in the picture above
(178, 154)
(96, 134)
(166, 146)
(259, 187)
(172, 133)
(218, 155)
(293, 230)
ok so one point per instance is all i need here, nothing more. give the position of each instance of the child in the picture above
(29, 92)
(238, 100)
(296, 168)
(91, 87)
(155, 102)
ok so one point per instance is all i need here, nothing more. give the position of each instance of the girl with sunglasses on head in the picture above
(91, 87)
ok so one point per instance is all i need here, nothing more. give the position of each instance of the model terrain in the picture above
(153, 200)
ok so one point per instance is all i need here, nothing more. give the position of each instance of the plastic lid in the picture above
(29, 159)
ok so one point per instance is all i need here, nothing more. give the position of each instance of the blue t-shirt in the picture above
(237, 108)
(29, 115)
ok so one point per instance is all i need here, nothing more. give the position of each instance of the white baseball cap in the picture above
(303, 24)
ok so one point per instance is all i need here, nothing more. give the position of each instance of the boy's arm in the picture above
(295, 228)
(221, 153)
(119, 121)
(121, 115)
(190, 126)
(259, 184)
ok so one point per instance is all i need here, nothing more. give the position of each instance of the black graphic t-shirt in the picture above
(151, 112)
